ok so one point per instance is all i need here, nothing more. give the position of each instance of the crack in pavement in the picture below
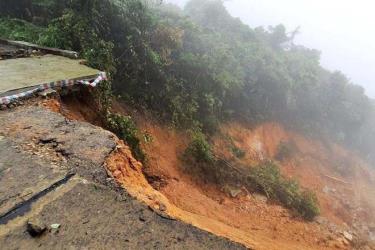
(23, 207)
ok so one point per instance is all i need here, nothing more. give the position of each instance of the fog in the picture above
(344, 31)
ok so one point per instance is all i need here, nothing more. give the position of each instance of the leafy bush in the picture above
(199, 149)
(125, 129)
(308, 205)
(267, 179)
(74, 32)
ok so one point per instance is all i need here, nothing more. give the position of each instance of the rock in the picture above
(234, 192)
(47, 92)
(55, 226)
(35, 229)
(348, 236)
(321, 220)
(260, 198)
(142, 218)
(47, 139)
(162, 207)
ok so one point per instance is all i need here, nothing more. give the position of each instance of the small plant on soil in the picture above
(239, 153)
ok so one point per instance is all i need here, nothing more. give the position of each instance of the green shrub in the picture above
(308, 206)
(125, 129)
(267, 179)
(74, 32)
(199, 149)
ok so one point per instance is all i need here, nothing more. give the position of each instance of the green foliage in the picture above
(199, 149)
(266, 178)
(75, 32)
(125, 129)
(19, 30)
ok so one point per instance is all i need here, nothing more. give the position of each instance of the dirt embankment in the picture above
(249, 218)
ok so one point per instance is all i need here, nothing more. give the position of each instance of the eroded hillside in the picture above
(342, 181)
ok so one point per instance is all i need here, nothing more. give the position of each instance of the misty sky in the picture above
(344, 30)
